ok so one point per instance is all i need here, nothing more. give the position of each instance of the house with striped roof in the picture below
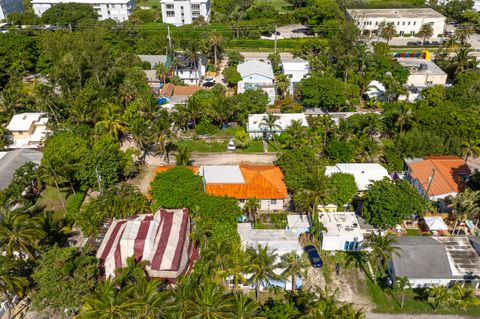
(160, 238)
(242, 182)
(437, 177)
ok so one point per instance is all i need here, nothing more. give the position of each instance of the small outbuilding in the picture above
(435, 223)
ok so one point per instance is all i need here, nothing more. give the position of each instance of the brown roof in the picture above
(449, 175)
(169, 90)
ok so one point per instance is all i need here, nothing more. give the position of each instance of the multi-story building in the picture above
(27, 130)
(406, 21)
(9, 6)
(257, 75)
(118, 10)
(180, 12)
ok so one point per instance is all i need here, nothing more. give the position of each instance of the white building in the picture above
(406, 21)
(118, 10)
(296, 70)
(365, 173)
(343, 231)
(191, 73)
(10, 6)
(28, 130)
(427, 261)
(257, 75)
(281, 241)
(298, 223)
(180, 12)
(256, 126)
(423, 73)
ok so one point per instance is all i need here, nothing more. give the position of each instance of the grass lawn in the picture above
(203, 146)
(229, 131)
(255, 146)
(50, 201)
(414, 232)
(413, 304)
(149, 3)
(281, 5)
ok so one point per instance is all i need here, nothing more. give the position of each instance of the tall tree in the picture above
(215, 40)
(251, 207)
(317, 191)
(262, 265)
(295, 267)
(425, 32)
(388, 31)
(471, 148)
(11, 282)
(382, 249)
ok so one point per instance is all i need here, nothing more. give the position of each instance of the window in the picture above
(412, 33)
(169, 6)
(398, 23)
(376, 22)
(242, 201)
(414, 22)
(170, 13)
(403, 23)
(195, 13)
(408, 22)
(273, 202)
(195, 7)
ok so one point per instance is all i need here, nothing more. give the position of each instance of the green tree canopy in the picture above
(388, 203)
(64, 278)
(344, 187)
(70, 14)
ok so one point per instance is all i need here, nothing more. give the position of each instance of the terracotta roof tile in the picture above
(262, 182)
(449, 174)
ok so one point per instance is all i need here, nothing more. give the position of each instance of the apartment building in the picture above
(406, 21)
(28, 130)
(118, 10)
(180, 12)
(9, 6)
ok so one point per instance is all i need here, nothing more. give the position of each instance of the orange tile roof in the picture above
(449, 173)
(262, 182)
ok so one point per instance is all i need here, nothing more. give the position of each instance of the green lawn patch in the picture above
(149, 3)
(229, 131)
(395, 3)
(204, 146)
(414, 232)
(281, 5)
(414, 303)
(255, 146)
(50, 201)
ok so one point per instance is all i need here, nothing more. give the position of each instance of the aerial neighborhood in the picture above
(239, 159)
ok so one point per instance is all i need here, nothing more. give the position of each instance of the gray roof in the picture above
(153, 59)
(255, 67)
(405, 13)
(11, 161)
(421, 257)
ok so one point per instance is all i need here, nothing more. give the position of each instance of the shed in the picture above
(435, 223)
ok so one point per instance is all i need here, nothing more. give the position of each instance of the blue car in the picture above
(313, 255)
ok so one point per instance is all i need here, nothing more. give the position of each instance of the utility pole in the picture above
(169, 38)
(275, 45)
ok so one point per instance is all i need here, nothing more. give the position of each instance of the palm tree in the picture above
(382, 249)
(50, 171)
(208, 302)
(242, 306)
(399, 286)
(360, 260)
(193, 57)
(463, 60)
(404, 116)
(189, 112)
(161, 71)
(262, 266)
(439, 297)
(295, 266)
(466, 205)
(183, 156)
(425, 32)
(270, 124)
(237, 265)
(282, 82)
(251, 207)
(19, 233)
(11, 283)
(111, 120)
(316, 192)
(464, 31)
(471, 148)
(109, 302)
(387, 31)
(215, 40)
(152, 301)
(133, 272)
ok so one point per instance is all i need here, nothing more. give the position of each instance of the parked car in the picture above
(314, 256)
(231, 145)
(426, 43)
(208, 82)
(418, 42)
(411, 43)
(435, 43)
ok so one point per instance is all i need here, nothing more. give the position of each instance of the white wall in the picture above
(427, 79)
(337, 243)
(179, 12)
(266, 204)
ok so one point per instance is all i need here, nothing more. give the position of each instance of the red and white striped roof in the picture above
(161, 239)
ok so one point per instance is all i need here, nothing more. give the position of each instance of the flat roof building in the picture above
(180, 12)
(28, 130)
(423, 73)
(406, 21)
(343, 231)
(364, 173)
(118, 10)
